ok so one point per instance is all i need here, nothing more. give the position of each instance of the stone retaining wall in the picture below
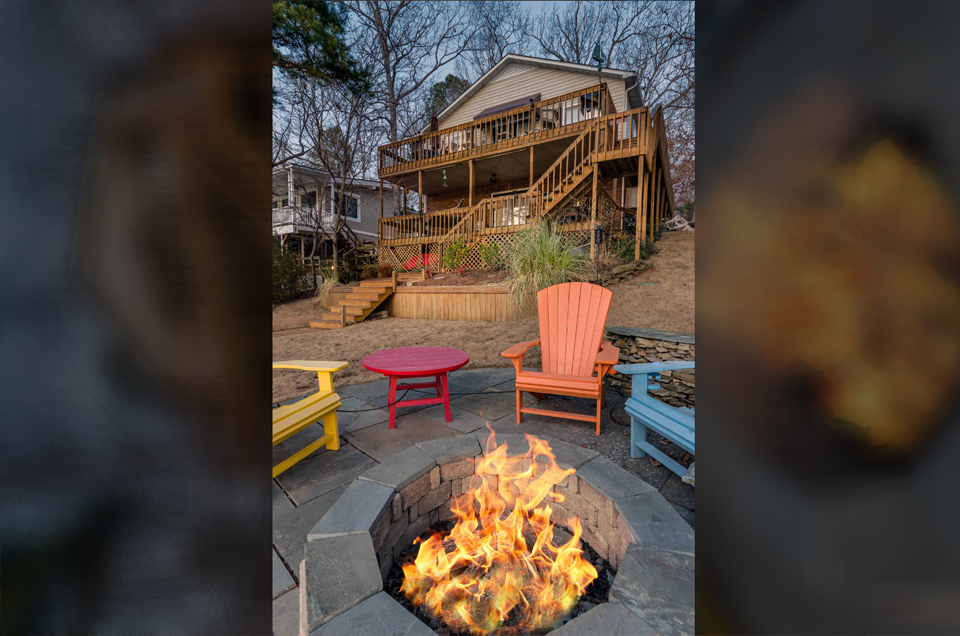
(637, 346)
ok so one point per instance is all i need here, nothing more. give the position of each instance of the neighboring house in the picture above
(531, 139)
(305, 203)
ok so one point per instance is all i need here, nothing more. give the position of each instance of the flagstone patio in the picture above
(306, 491)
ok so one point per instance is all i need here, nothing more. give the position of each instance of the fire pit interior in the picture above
(487, 532)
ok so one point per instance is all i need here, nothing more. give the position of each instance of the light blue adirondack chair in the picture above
(677, 425)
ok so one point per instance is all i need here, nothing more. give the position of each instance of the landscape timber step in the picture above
(358, 303)
(350, 301)
(323, 324)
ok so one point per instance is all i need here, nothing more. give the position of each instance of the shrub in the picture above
(384, 271)
(326, 281)
(490, 254)
(455, 253)
(623, 248)
(290, 275)
(369, 271)
(541, 257)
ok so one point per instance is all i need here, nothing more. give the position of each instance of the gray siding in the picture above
(518, 80)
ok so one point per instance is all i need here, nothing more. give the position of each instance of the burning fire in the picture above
(499, 564)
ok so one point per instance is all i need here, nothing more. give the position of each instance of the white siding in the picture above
(509, 85)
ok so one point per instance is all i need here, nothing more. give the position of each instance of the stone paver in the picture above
(282, 581)
(286, 614)
(491, 406)
(402, 469)
(517, 444)
(290, 528)
(460, 420)
(688, 515)
(375, 389)
(675, 491)
(607, 619)
(470, 381)
(610, 480)
(349, 422)
(336, 574)
(451, 449)
(293, 444)
(658, 587)
(281, 503)
(358, 509)
(322, 472)
(380, 615)
(655, 524)
(381, 442)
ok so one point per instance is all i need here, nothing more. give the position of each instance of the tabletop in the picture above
(415, 361)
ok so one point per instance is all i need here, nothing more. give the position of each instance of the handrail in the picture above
(506, 129)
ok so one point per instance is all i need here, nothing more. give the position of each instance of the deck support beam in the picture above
(593, 213)
(471, 184)
(381, 199)
(420, 191)
(531, 168)
(643, 177)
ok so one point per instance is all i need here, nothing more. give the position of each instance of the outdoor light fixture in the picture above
(599, 59)
(494, 180)
(444, 178)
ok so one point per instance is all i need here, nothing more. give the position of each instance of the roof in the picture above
(369, 183)
(629, 77)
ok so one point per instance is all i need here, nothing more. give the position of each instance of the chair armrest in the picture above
(311, 365)
(652, 367)
(518, 350)
(608, 354)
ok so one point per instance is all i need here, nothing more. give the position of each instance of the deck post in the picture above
(593, 213)
(471, 184)
(420, 191)
(381, 199)
(290, 200)
(531, 167)
(641, 229)
(394, 280)
(343, 315)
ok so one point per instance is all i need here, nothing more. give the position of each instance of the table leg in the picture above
(392, 397)
(446, 397)
(439, 385)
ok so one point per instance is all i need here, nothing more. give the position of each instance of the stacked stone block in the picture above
(677, 388)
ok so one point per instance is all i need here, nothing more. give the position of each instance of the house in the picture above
(308, 205)
(531, 139)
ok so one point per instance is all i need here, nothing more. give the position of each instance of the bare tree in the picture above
(502, 27)
(569, 33)
(405, 43)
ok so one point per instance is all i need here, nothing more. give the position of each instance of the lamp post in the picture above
(598, 229)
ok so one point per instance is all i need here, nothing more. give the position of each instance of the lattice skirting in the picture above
(398, 255)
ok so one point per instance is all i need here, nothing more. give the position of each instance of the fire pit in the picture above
(501, 564)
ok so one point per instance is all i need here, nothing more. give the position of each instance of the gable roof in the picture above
(629, 77)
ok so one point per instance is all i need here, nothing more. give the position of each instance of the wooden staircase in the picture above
(361, 301)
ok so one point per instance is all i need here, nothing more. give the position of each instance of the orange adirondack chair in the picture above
(572, 318)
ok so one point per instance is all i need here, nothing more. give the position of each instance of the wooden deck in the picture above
(601, 146)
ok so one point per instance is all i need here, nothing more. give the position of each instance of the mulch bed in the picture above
(597, 592)
(469, 277)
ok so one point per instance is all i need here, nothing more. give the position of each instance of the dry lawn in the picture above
(668, 305)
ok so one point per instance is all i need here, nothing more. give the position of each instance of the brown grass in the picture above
(668, 306)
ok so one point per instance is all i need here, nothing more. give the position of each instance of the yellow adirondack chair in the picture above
(291, 419)
(572, 318)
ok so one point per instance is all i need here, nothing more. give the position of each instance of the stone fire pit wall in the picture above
(625, 520)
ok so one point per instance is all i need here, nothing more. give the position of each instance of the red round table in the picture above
(417, 362)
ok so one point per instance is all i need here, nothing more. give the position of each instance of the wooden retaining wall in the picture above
(446, 303)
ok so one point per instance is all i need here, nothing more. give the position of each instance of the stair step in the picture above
(336, 317)
(357, 302)
(377, 282)
(367, 295)
(316, 324)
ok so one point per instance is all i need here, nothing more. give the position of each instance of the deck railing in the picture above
(547, 118)
(300, 217)
(608, 137)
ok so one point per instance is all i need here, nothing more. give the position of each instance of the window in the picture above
(348, 205)
(309, 200)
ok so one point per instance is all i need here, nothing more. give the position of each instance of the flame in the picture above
(500, 560)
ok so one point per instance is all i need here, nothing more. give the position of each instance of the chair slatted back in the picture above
(572, 319)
